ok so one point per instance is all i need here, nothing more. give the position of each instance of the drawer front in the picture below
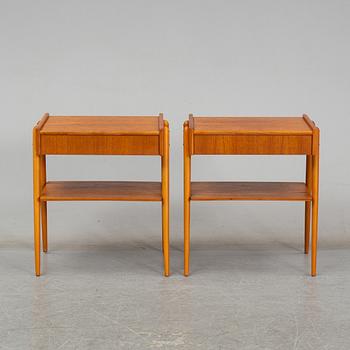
(99, 144)
(252, 144)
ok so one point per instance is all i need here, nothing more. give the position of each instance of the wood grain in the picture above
(252, 144)
(100, 144)
(103, 125)
(110, 135)
(251, 126)
(102, 191)
(276, 191)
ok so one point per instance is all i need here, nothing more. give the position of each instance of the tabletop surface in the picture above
(86, 125)
(250, 125)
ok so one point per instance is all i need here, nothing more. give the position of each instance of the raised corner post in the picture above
(315, 197)
(36, 198)
(187, 194)
(165, 197)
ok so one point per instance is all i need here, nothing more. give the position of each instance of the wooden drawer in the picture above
(252, 144)
(100, 144)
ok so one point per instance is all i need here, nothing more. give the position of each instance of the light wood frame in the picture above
(135, 141)
(277, 141)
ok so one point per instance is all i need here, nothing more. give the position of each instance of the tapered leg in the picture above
(44, 225)
(187, 205)
(36, 203)
(43, 204)
(307, 227)
(308, 204)
(165, 202)
(315, 181)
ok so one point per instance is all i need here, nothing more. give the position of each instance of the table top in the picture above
(252, 125)
(104, 125)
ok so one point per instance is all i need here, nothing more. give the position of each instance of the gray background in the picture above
(180, 57)
(102, 284)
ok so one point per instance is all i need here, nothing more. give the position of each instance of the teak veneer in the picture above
(119, 135)
(258, 136)
(102, 191)
(255, 191)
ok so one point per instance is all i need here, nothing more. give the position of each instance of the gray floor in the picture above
(103, 288)
(246, 297)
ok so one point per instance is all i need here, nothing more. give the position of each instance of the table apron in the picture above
(99, 144)
(252, 144)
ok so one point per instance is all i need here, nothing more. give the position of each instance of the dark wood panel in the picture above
(279, 191)
(99, 144)
(102, 191)
(252, 144)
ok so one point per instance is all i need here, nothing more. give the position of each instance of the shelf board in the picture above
(276, 191)
(102, 191)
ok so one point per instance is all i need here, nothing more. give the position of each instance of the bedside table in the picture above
(253, 136)
(70, 135)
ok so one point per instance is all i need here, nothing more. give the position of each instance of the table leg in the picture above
(187, 204)
(43, 204)
(308, 203)
(36, 201)
(315, 189)
(165, 201)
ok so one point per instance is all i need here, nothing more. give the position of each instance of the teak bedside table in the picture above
(65, 135)
(251, 135)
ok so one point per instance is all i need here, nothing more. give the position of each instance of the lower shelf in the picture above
(102, 191)
(277, 191)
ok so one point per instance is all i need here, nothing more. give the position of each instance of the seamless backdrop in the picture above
(176, 57)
